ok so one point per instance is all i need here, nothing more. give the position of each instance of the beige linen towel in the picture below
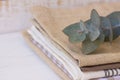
(53, 21)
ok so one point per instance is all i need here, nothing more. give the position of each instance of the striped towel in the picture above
(110, 78)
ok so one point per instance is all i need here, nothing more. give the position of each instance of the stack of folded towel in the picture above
(48, 40)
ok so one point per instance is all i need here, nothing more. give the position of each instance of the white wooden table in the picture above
(19, 62)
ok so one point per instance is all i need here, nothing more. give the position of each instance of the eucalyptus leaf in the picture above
(93, 25)
(115, 23)
(94, 32)
(83, 27)
(75, 32)
(77, 37)
(95, 18)
(114, 18)
(89, 46)
(107, 28)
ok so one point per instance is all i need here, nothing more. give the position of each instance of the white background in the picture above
(19, 62)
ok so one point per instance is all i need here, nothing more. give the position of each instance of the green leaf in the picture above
(95, 18)
(77, 37)
(93, 25)
(107, 28)
(114, 18)
(94, 32)
(75, 32)
(115, 23)
(89, 46)
(83, 27)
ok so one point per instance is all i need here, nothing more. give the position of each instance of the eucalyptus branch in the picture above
(93, 32)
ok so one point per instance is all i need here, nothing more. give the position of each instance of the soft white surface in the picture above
(19, 62)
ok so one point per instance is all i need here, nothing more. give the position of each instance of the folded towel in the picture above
(109, 78)
(101, 67)
(37, 29)
(53, 21)
(37, 42)
(47, 55)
